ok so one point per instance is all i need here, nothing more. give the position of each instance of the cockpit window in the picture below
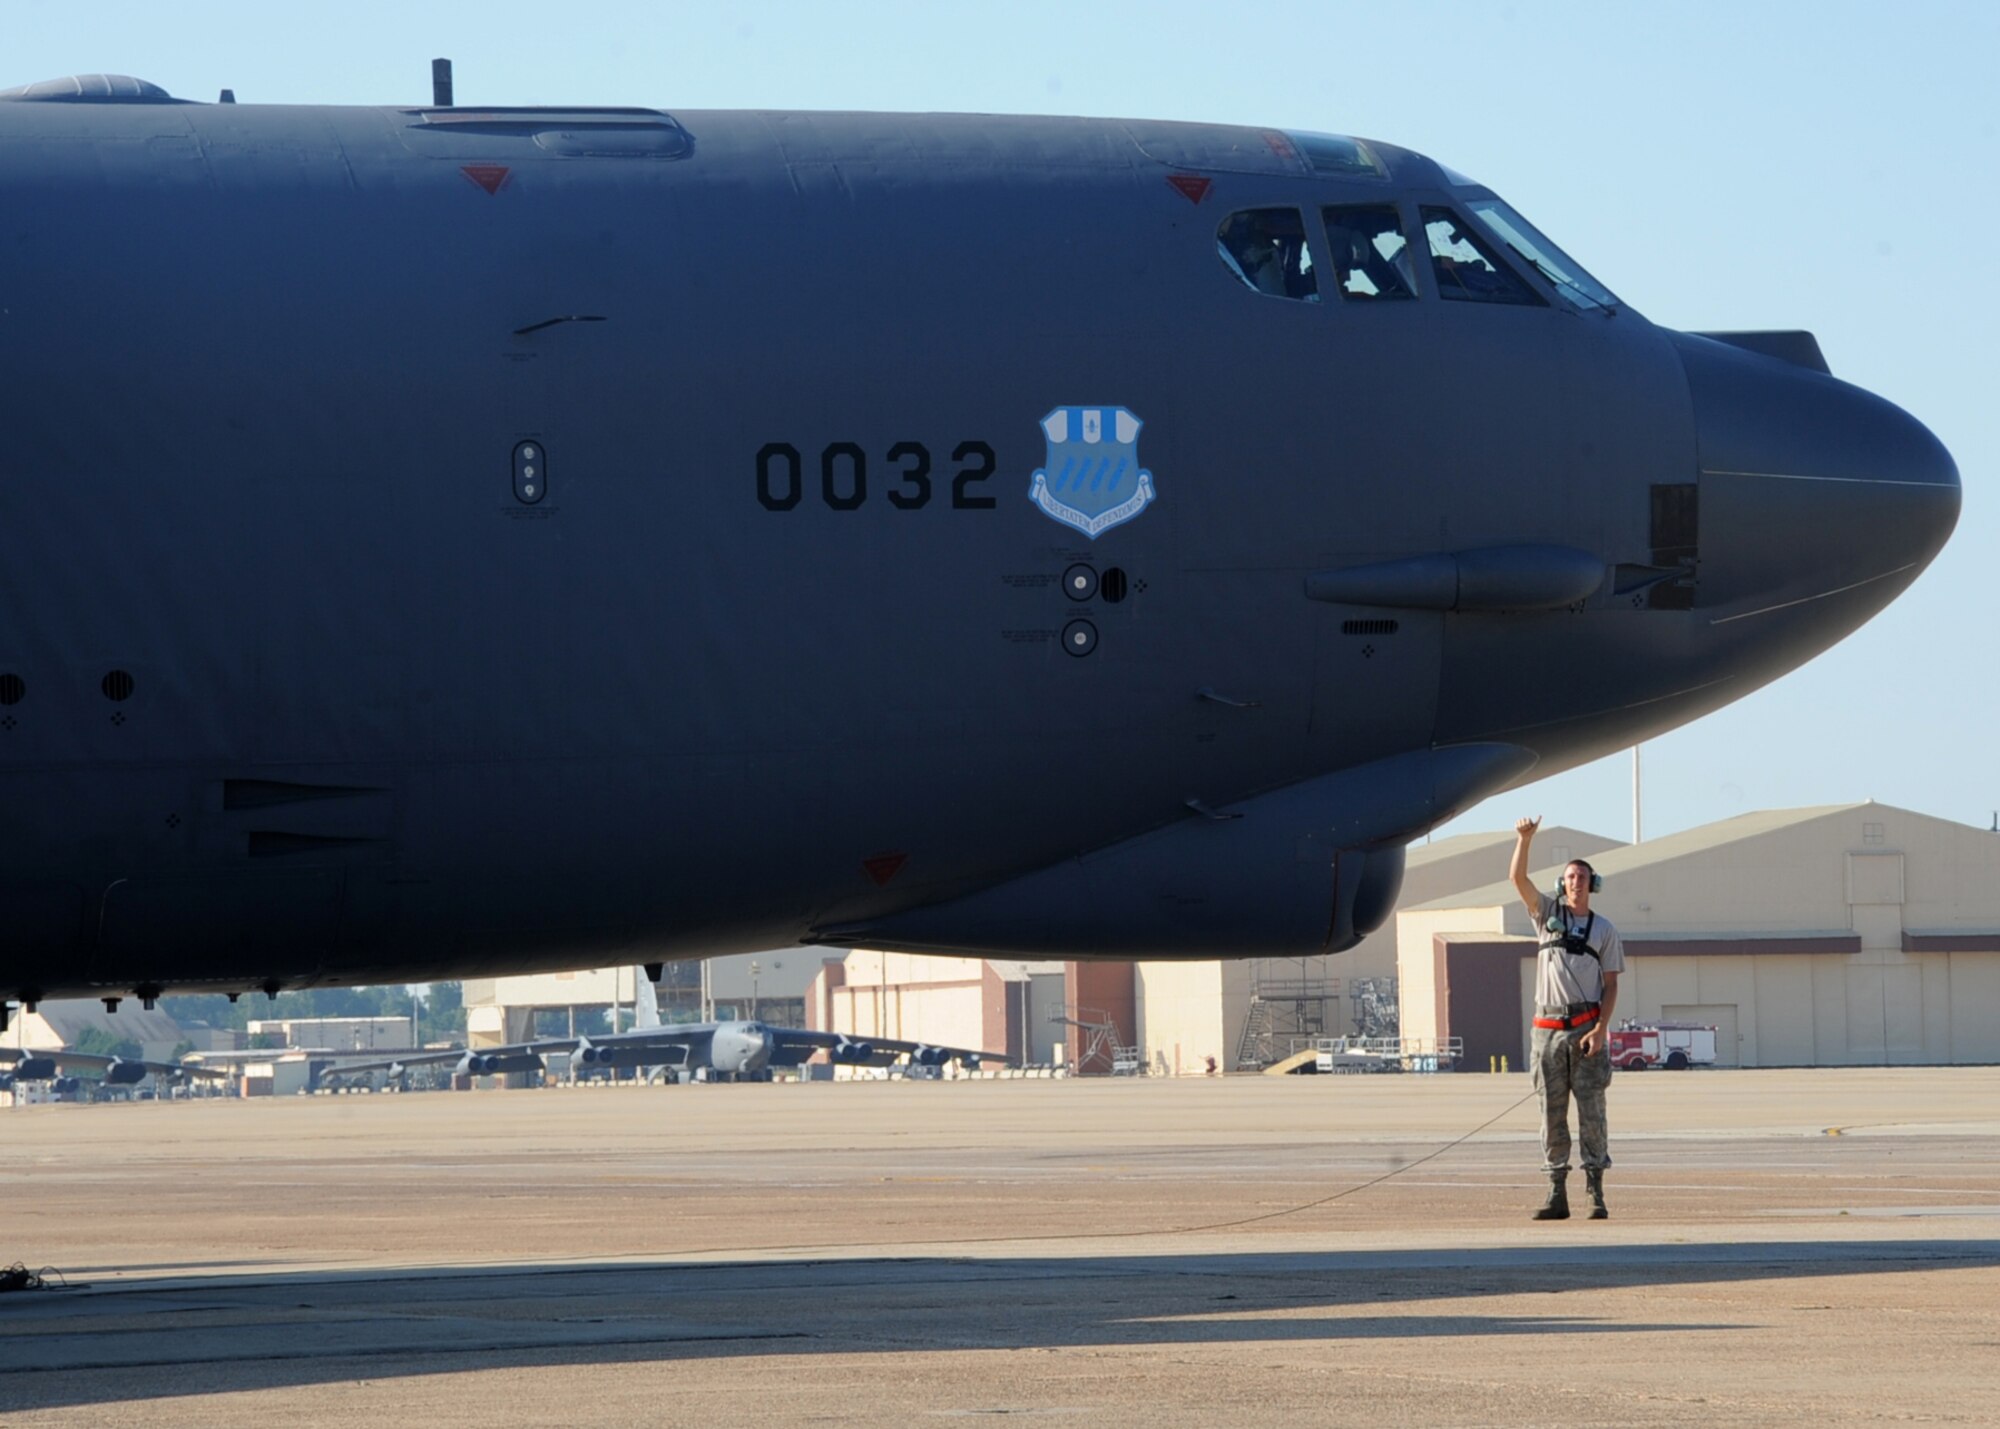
(1537, 252)
(1337, 156)
(1466, 269)
(1371, 258)
(1266, 248)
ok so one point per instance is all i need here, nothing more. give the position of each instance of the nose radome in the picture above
(1808, 486)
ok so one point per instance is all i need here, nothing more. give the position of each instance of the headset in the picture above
(1596, 878)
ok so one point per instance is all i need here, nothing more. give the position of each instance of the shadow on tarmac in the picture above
(235, 1332)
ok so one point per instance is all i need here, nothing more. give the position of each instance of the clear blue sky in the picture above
(1828, 165)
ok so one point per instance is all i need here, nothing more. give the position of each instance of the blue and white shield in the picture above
(1092, 479)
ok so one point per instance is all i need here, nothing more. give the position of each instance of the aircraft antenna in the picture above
(441, 84)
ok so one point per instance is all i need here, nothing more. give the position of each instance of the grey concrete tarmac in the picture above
(1786, 1247)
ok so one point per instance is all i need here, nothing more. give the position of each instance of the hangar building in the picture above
(335, 1034)
(1844, 935)
(1002, 1006)
(770, 985)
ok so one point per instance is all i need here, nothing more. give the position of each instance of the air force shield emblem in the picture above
(1092, 480)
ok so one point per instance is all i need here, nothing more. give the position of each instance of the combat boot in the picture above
(1556, 1208)
(1593, 1180)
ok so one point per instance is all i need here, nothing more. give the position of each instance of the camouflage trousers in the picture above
(1562, 1069)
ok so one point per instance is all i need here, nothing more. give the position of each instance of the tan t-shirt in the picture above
(1563, 977)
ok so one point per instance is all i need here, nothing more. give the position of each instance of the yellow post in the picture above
(1503, 1063)
(1492, 1064)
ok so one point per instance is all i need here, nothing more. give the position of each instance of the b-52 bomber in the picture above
(443, 541)
(735, 1050)
(59, 1066)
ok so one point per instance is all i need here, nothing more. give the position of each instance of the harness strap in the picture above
(1573, 942)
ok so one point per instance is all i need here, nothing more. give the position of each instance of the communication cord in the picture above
(1359, 1186)
(1326, 1200)
(1339, 1195)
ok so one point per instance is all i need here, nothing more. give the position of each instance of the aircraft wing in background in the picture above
(35, 1065)
(466, 1062)
(748, 1047)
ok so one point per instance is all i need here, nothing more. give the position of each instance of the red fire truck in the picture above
(1635, 1046)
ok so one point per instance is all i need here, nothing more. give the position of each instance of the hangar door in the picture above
(1719, 1015)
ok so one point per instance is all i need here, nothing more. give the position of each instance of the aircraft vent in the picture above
(1369, 627)
(264, 793)
(270, 843)
(13, 689)
(117, 685)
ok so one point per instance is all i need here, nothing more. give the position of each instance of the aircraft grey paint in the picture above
(444, 542)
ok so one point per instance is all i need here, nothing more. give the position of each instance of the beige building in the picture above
(916, 997)
(1011, 1007)
(333, 1034)
(1189, 1012)
(1248, 1012)
(58, 1025)
(1852, 934)
(770, 985)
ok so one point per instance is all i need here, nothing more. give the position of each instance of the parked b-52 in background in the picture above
(444, 542)
(736, 1050)
(59, 1067)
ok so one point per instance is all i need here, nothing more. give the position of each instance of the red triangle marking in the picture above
(884, 866)
(1193, 187)
(488, 176)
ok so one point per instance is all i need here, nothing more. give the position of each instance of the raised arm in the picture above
(1524, 834)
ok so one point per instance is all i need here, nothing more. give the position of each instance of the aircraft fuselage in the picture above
(448, 542)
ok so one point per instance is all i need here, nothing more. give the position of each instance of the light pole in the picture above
(1637, 827)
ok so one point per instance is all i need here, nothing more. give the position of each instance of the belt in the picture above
(1564, 1019)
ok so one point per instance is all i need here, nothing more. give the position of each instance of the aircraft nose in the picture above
(1809, 488)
